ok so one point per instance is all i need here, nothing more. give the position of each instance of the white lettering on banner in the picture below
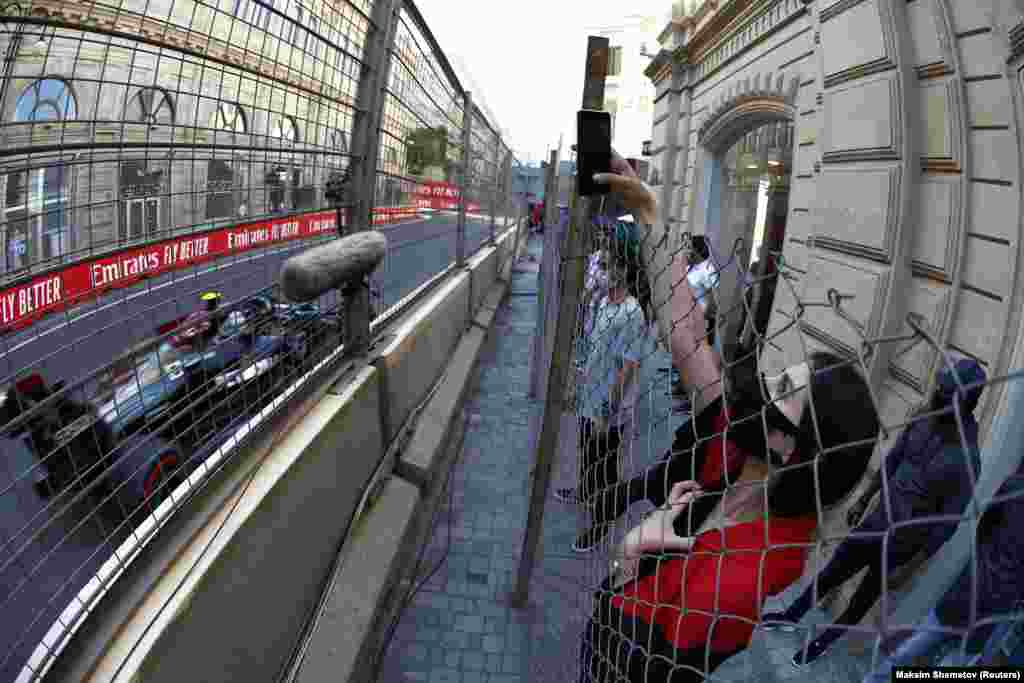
(285, 231)
(316, 227)
(110, 272)
(31, 298)
(248, 238)
(105, 273)
(194, 248)
(8, 310)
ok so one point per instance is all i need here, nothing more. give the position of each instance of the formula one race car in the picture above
(134, 427)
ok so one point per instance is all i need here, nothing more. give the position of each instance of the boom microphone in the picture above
(306, 276)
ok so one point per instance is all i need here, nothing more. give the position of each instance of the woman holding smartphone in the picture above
(780, 446)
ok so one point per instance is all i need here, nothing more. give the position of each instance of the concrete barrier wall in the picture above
(239, 593)
(411, 362)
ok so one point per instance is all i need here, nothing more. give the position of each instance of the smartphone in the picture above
(593, 150)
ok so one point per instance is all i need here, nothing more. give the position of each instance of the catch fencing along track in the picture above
(160, 162)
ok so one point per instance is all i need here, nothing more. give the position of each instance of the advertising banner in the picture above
(52, 292)
(25, 303)
(441, 196)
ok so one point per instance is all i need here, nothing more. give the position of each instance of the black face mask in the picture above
(747, 400)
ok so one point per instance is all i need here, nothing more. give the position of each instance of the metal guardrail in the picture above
(159, 162)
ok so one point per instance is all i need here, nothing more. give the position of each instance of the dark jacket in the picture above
(999, 560)
(929, 474)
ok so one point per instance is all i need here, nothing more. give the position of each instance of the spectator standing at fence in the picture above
(639, 630)
(595, 289)
(926, 475)
(997, 590)
(608, 389)
(702, 275)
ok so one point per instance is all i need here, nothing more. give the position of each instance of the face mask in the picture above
(748, 401)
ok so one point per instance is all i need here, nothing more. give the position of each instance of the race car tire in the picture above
(146, 472)
(164, 475)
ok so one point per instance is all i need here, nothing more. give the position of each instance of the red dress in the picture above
(720, 577)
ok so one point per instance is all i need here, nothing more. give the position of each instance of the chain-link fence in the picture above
(741, 524)
(160, 162)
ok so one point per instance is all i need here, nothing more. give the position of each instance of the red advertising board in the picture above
(25, 303)
(441, 196)
(52, 292)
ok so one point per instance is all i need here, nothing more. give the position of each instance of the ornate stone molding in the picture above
(1016, 41)
(661, 64)
(867, 233)
(718, 43)
(867, 283)
(857, 71)
(765, 93)
(837, 152)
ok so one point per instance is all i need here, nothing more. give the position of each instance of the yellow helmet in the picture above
(212, 299)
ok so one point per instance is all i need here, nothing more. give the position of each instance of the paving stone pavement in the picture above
(459, 627)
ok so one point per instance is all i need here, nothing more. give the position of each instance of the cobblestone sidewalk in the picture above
(459, 627)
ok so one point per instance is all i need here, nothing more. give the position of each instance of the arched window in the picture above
(229, 117)
(752, 203)
(152, 106)
(48, 99)
(36, 221)
(285, 129)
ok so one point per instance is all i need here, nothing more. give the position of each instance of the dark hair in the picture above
(699, 246)
(625, 255)
(845, 415)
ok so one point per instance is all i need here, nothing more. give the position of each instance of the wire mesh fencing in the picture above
(749, 507)
(160, 162)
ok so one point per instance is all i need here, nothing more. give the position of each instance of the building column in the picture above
(680, 210)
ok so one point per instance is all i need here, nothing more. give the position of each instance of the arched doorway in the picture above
(754, 201)
(748, 169)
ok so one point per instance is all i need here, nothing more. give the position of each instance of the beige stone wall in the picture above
(906, 170)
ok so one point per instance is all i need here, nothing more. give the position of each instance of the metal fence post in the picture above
(515, 244)
(369, 109)
(571, 284)
(543, 291)
(570, 279)
(467, 128)
(494, 189)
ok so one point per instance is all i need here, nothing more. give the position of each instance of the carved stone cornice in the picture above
(735, 28)
(661, 64)
(767, 91)
(1017, 41)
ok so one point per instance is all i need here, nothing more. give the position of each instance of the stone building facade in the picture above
(897, 187)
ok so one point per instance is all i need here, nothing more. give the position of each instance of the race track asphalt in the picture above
(49, 554)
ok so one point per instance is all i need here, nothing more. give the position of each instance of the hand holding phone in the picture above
(593, 150)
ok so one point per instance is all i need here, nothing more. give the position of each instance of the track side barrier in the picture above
(258, 586)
